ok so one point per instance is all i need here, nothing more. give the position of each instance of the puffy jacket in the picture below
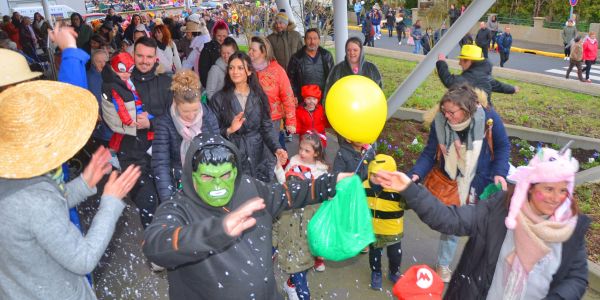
(568, 34)
(295, 70)
(155, 91)
(487, 167)
(166, 151)
(254, 139)
(590, 49)
(285, 44)
(315, 121)
(277, 87)
(187, 235)
(208, 56)
(505, 42)
(484, 225)
(483, 37)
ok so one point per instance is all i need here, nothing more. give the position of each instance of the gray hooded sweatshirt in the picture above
(216, 77)
(43, 255)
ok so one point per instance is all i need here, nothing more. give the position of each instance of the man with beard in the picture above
(310, 65)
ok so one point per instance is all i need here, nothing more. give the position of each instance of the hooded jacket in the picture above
(590, 49)
(208, 56)
(203, 261)
(285, 44)
(344, 69)
(84, 33)
(484, 225)
(479, 75)
(216, 78)
(254, 139)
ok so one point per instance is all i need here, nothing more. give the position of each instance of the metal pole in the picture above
(47, 14)
(571, 13)
(455, 33)
(340, 29)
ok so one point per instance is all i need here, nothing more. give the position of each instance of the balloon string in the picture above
(362, 159)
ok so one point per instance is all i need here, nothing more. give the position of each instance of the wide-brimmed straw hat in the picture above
(191, 26)
(18, 66)
(42, 125)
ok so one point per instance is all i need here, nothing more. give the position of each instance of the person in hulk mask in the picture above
(214, 237)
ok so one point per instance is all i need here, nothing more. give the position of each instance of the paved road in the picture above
(519, 61)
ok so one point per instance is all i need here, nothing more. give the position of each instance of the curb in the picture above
(593, 279)
(512, 49)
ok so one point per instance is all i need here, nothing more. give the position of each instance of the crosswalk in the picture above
(594, 73)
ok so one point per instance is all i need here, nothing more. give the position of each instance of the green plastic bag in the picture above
(342, 226)
(490, 190)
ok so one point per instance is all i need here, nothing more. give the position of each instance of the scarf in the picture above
(531, 234)
(260, 66)
(187, 130)
(162, 46)
(461, 159)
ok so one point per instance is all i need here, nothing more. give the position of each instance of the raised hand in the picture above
(236, 124)
(99, 165)
(241, 218)
(118, 187)
(396, 181)
(63, 36)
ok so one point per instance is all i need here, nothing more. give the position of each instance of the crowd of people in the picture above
(198, 130)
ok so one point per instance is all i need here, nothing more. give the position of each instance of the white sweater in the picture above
(169, 58)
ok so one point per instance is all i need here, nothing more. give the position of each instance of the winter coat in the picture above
(438, 34)
(277, 87)
(427, 43)
(208, 56)
(27, 38)
(166, 151)
(13, 33)
(416, 33)
(295, 69)
(453, 14)
(155, 91)
(254, 139)
(344, 69)
(216, 78)
(487, 167)
(84, 33)
(44, 255)
(187, 235)
(42, 32)
(121, 114)
(390, 18)
(285, 44)
(590, 49)
(479, 75)
(376, 18)
(315, 121)
(492, 25)
(484, 225)
(357, 7)
(348, 160)
(483, 37)
(568, 34)
(367, 28)
(576, 52)
(504, 42)
(168, 58)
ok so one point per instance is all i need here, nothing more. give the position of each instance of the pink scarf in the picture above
(187, 130)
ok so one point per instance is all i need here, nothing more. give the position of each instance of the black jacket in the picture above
(154, 90)
(254, 139)
(166, 151)
(187, 236)
(295, 70)
(479, 75)
(348, 160)
(483, 38)
(209, 55)
(484, 224)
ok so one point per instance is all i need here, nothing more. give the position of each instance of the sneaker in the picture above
(393, 277)
(445, 273)
(588, 80)
(399, 43)
(319, 264)
(290, 290)
(376, 280)
(365, 250)
(156, 268)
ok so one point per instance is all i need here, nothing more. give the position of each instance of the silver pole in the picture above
(340, 28)
(47, 14)
(455, 33)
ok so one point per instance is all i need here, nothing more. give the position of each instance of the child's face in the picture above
(124, 75)
(374, 179)
(310, 103)
(356, 145)
(307, 152)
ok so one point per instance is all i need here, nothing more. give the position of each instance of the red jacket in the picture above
(13, 33)
(315, 121)
(590, 49)
(275, 83)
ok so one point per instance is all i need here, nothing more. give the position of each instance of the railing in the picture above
(581, 27)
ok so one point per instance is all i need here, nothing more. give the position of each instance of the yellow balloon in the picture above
(356, 108)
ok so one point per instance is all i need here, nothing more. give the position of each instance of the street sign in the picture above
(573, 2)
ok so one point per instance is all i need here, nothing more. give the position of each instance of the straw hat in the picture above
(191, 26)
(14, 61)
(471, 52)
(42, 125)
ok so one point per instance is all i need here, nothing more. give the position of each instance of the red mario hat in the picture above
(122, 62)
(311, 90)
(419, 282)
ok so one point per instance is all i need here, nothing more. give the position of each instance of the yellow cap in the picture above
(471, 52)
(382, 162)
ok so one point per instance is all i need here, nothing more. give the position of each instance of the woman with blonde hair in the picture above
(167, 53)
(187, 118)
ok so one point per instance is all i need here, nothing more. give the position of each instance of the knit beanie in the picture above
(311, 90)
(282, 17)
(550, 166)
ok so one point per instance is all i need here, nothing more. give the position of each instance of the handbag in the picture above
(439, 185)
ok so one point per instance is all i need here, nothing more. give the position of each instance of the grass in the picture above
(534, 106)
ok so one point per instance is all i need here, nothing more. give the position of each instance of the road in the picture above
(519, 61)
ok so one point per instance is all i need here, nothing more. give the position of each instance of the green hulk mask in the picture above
(215, 183)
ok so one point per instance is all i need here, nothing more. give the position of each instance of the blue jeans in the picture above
(377, 30)
(358, 19)
(417, 49)
(447, 249)
(299, 280)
